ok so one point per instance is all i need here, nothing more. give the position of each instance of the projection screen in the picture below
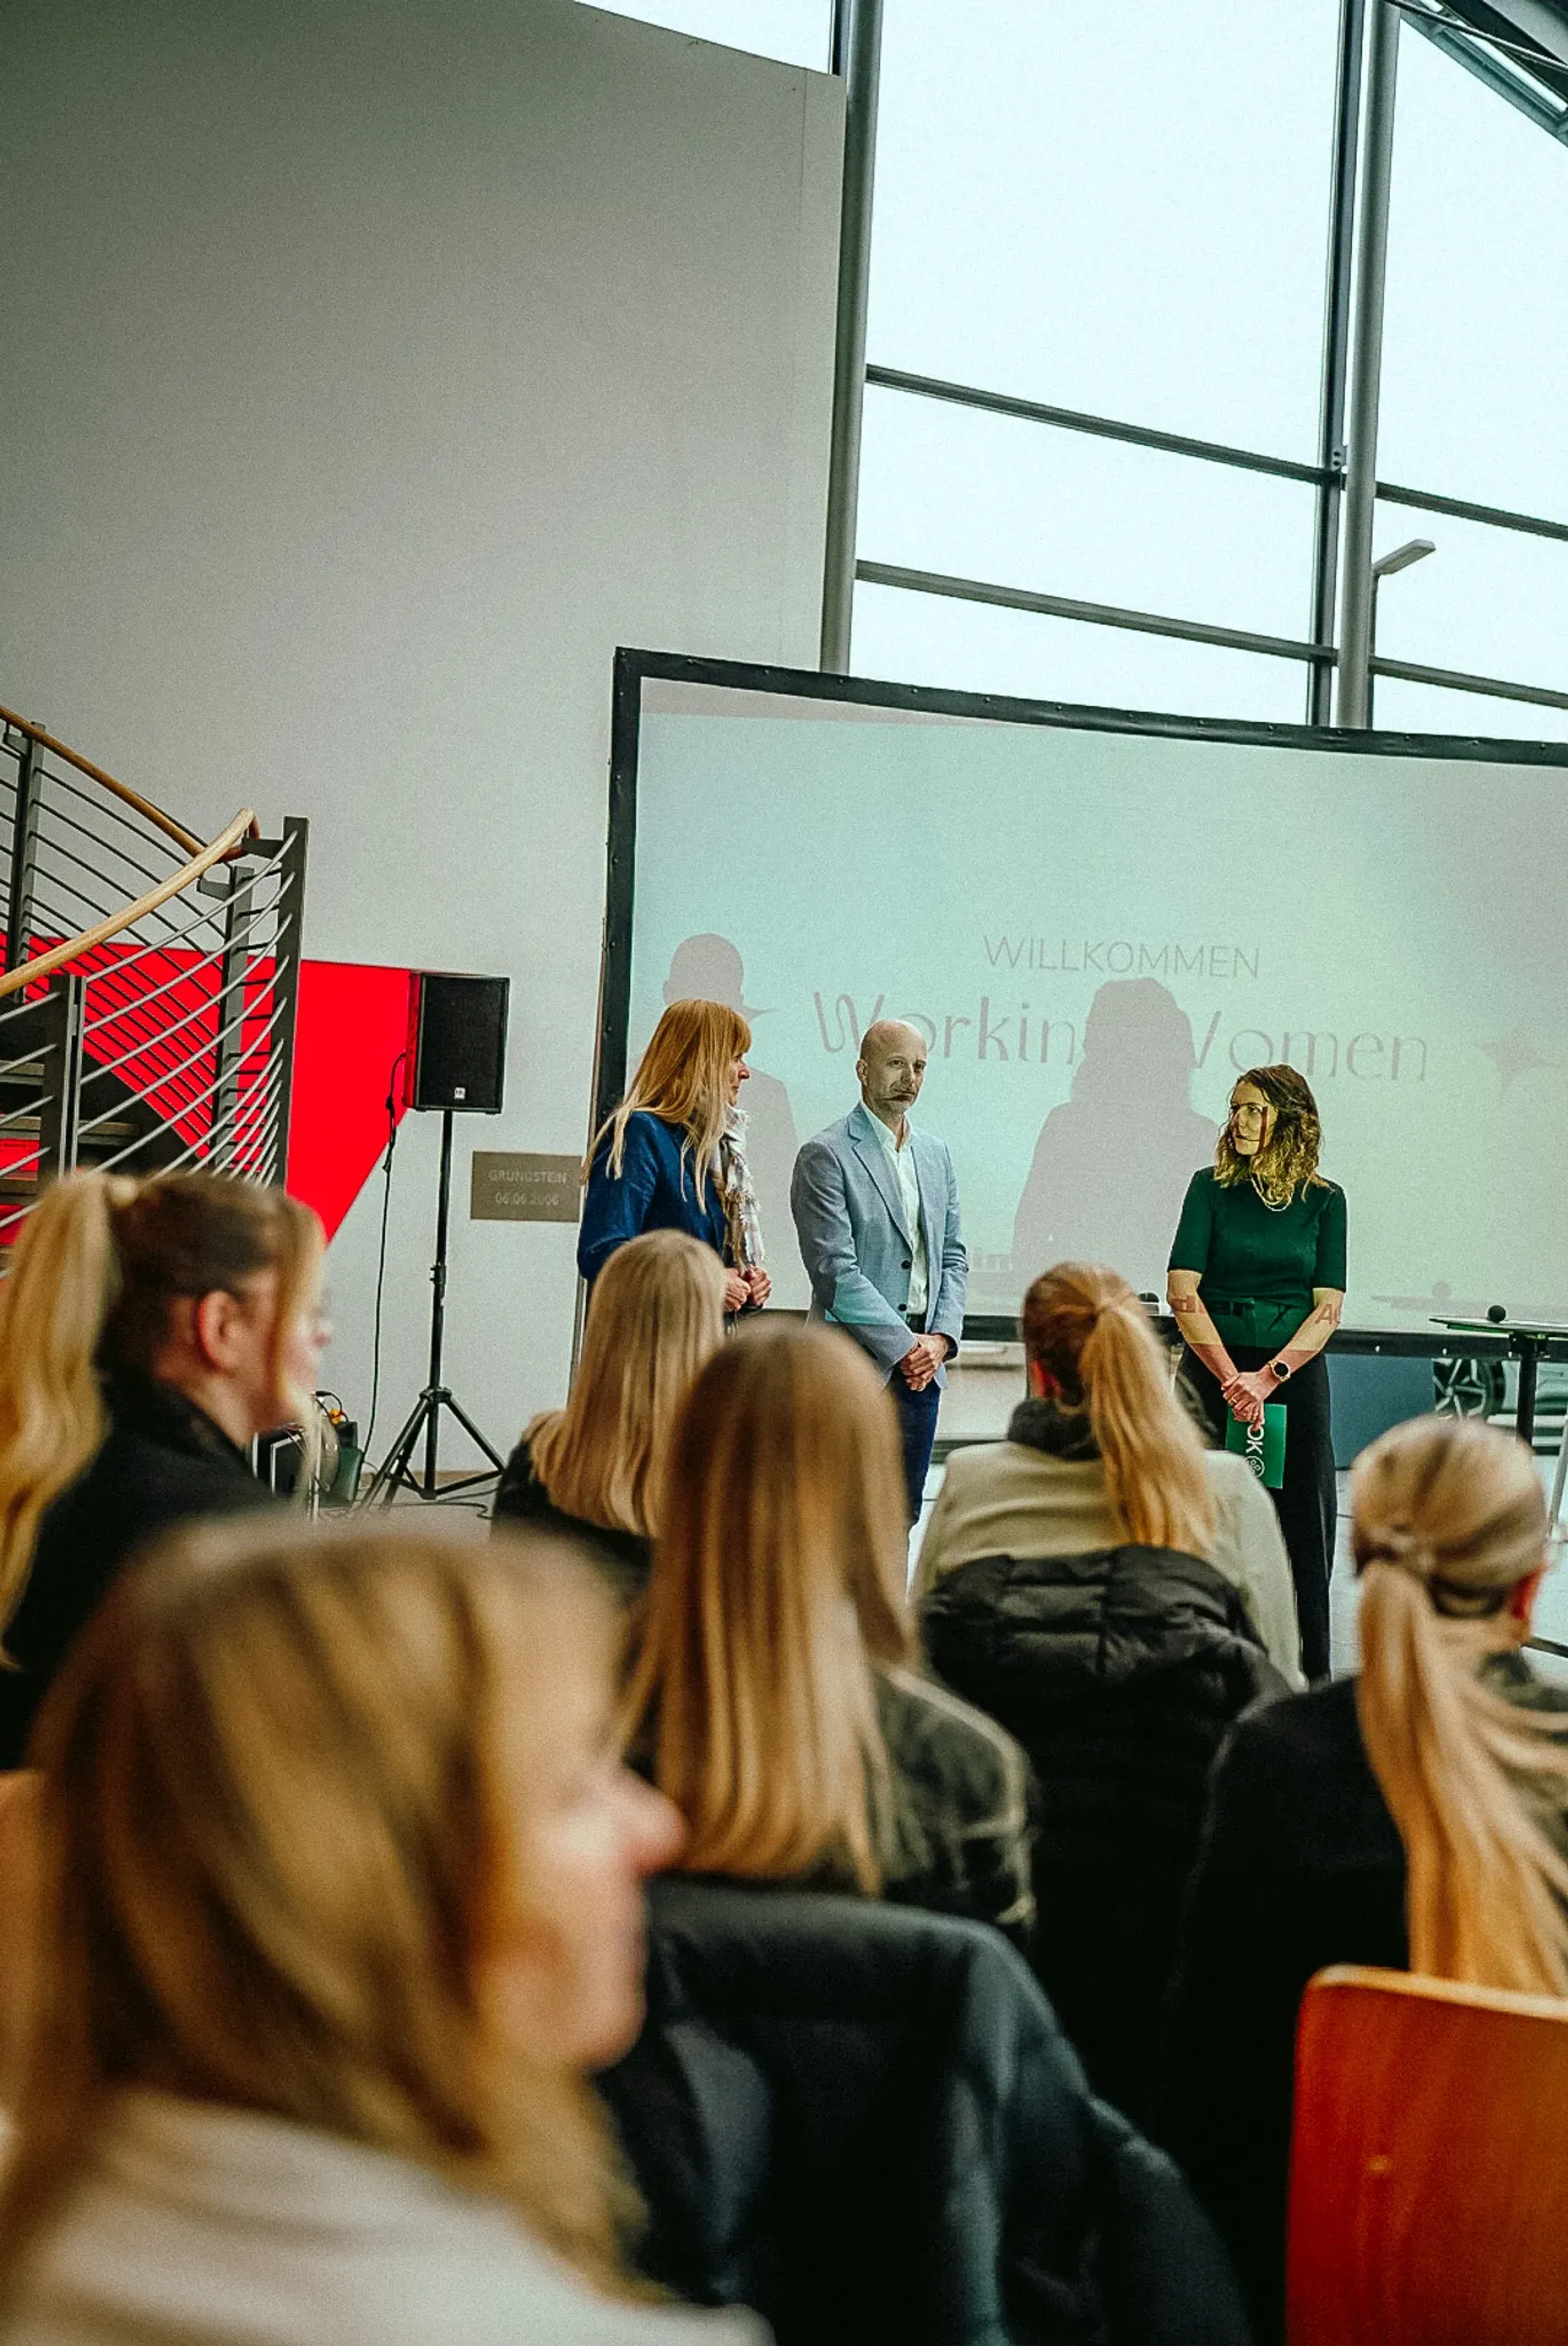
(1098, 920)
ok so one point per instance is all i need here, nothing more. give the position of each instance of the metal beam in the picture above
(1371, 270)
(857, 49)
(1453, 680)
(1193, 631)
(1336, 354)
(1213, 452)
(1476, 58)
(1100, 427)
(1494, 516)
(1098, 615)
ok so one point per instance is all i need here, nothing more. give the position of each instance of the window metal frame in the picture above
(1338, 643)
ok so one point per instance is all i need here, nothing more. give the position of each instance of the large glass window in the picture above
(797, 32)
(1475, 343)
(1123, 212)
(1118, 208)
(1492, 602)
(1402, 707)
(1026, 505)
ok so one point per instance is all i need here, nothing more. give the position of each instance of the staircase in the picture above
(150, 980)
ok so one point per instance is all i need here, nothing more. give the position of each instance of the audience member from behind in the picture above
(672, 1156)
(774, 1697)
(1100, 1453)
(1071, 1596)
(342, 1899)
(595, 1468)
(1412, 1816)
(148, 1331)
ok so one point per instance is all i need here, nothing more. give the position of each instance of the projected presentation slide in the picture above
(1096, 931)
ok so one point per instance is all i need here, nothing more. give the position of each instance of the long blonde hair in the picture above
(1448, 1520)
(681, 1077)
(654, 1316)
(282, 1826)
(777, 1588)
(1086, 1329)
(99, 1262)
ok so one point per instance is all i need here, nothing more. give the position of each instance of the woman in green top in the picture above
(1256, 1282)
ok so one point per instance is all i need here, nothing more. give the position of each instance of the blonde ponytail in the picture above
(1085, 1326)
(1448, 1520)
(52, 1309)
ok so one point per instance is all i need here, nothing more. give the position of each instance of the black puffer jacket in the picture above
(1119, 1673)
(862, 2120)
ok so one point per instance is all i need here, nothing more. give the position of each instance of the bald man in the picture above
(876, 1213)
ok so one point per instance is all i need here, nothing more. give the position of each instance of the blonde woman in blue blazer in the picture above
(672, 1155)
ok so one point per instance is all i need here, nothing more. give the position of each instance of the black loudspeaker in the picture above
(459, 1046)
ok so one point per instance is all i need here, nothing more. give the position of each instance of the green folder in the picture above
(1262, 1446)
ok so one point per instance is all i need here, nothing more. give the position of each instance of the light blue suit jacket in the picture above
(855, 1243)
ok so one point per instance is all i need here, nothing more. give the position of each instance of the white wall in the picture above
(370, 369)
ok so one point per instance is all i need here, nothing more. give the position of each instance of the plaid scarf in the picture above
(743, 1231)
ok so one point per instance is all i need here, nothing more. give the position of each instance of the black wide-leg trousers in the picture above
(1306, 1503)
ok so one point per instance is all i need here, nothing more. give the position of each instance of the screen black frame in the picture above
(633, 667)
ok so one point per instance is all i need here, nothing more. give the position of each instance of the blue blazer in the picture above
(655, 1189)
(850, 1220)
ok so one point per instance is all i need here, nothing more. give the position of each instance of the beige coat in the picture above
(1006, 1498)
(218, 2227)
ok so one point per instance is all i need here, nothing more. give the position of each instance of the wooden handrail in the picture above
(45, 965)
(185, 840)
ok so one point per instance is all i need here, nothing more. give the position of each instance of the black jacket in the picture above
(1301, 1866)
(956, 1838)
(1119, 1673)
(865, 2123)
(163, 1461)
(625, 1557)
(951, 1823)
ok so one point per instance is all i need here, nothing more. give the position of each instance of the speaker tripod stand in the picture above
(393, 1474)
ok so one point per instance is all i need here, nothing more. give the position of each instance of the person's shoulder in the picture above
(1298, 1733)
(1510, 1675)
(151, 1478)
(976, 1462)
(644, 1135)
(1204, 1181)
(1231, 1479)
(650, 1131)
(832, 1141)
(519, 1492)
(931, 1732)
(1320, 1187)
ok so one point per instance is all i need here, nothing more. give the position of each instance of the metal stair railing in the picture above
(150, 983)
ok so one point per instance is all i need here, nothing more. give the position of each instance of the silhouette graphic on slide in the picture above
(1112, 1163)
(710, 969)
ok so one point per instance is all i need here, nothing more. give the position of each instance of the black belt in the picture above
(915, 1324)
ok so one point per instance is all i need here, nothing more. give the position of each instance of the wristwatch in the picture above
(1280, 1371)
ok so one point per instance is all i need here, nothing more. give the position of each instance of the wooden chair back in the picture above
(1429, 2181)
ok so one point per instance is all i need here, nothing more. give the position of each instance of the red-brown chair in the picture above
(1429, 2182)
(18, 1898)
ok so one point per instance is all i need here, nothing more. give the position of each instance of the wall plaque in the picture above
(507, 1185)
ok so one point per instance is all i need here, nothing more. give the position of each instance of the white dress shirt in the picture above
(903, 1164)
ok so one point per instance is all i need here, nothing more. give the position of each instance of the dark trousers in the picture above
(1306, 1503)
(916, 1429)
